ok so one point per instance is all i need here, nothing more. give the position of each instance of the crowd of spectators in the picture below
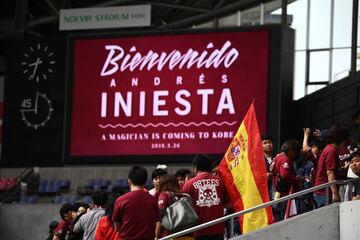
(322, 157)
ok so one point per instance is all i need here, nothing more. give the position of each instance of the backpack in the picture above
(180, 215)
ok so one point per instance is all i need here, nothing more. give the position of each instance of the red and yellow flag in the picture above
(244, 173)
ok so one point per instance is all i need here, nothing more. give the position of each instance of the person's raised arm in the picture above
(305, 145)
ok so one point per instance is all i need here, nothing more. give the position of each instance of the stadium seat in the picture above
(87, 199)
(65, 184)
(28, 200)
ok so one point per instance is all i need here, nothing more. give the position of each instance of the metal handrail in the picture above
(283, 199)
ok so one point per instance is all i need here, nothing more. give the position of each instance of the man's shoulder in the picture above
(281, 157)
(329, 149)
(138, 194)
(63, 223)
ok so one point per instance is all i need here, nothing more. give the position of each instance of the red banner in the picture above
(168, 94)
(244, 172)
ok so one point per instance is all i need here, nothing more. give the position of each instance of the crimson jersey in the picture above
(62, 229)
(284, 168)
(209, 195)
(137, 212)
(329, 160)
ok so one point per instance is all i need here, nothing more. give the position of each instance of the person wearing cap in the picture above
(66, 214)
(210, 197)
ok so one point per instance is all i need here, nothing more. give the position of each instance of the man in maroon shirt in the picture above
(209, 195)
(284, 175)
(329, 162)
(66, 213)
(136, 214)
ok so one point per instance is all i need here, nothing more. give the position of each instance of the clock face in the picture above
(36, 112)
(38, 62)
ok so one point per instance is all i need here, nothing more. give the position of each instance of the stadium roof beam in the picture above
(207, 16)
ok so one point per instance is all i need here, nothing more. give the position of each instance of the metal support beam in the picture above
(208, 16)
(20, 17)
(166, 12)
(284, 4)
(52, 7)
(354, 37)
(182, 7)
(219, 4)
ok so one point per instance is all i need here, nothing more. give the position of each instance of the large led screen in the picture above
(165, 94)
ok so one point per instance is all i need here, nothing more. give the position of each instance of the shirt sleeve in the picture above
(330, 160)
(79, 226)
(285, 171)
(60, 230)
(163, 201)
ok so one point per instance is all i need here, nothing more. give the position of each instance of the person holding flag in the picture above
(244, 173)
(210, 198)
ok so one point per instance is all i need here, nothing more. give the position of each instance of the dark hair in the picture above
(77, 205)
(338, 134)
(111, 204)
(289, 145)
(355, 154)
(52, 226)
(85, 205)
(66, 208)
(138, 175)
(202, 163)
(168, 182)
(158, 172)
(182, 172)
(215, 163)
(267, 137)
(318, 143)
(100, 198)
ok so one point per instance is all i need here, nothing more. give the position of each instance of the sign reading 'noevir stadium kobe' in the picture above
(109, 17)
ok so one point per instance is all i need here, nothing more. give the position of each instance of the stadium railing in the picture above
(267, 204)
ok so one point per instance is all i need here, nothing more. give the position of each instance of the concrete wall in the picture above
(350, 220)
(320, 224)
(335, 222)
(25, 222)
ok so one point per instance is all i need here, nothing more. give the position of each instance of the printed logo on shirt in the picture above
(285, 165)
(207, 192)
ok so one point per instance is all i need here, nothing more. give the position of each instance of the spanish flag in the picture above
(244, 173)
